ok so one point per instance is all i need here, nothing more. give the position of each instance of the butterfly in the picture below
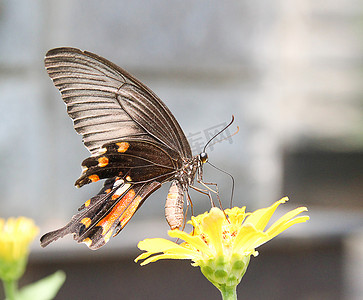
(135, 142)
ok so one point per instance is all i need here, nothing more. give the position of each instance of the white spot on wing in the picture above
(122, 189)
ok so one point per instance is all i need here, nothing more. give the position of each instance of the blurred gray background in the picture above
(290, 72)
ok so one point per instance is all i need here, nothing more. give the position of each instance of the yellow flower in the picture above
(221, 243)
(15, 237)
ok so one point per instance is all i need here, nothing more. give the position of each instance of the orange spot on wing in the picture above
(107, 191)
(122, 146)
(103, 161)
(115, 196)
(94, 178)
(126, 216)
(86, 222)
(87, 203)
(115, 213)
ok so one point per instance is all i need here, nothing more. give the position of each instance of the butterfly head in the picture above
(203, 157)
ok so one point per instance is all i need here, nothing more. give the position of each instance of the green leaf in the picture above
(44, 289)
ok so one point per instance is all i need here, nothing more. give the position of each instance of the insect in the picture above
(136, 144)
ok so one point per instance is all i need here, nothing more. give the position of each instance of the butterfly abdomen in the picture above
(174, 205)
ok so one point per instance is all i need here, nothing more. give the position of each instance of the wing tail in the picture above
(106, 215)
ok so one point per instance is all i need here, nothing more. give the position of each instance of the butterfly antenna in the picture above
(232, 178)
(225, 137)
(218, 133)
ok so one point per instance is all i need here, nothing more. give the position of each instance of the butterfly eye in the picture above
(203, 157)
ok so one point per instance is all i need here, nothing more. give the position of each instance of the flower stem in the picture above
(10, 288)
(228, 292)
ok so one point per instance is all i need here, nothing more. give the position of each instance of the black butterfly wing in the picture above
(130, 133)
(107, 104)
(105, 214)
(138, 161)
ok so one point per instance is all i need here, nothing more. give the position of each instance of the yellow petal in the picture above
(280, 225)
(261, 217)
(297, 220)
(142, 256)
(182, 252)
(194, 241)
(276, 229)
(285, 226)
(153, 246)
(15, 236)
(156, 245)
(164, 256)
(236, 215)
(196, 221)
(212, 226)
(247, 239)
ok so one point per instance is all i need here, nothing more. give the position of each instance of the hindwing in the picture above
(105, 214)
(138, 161)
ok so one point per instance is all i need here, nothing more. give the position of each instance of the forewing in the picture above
(107, 104)
(104, 215)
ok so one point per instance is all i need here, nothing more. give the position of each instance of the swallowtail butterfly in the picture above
(136, 144)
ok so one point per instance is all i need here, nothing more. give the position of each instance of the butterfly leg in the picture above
(206, 185)
(189, 205)
(216, 191)
(205, 192)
